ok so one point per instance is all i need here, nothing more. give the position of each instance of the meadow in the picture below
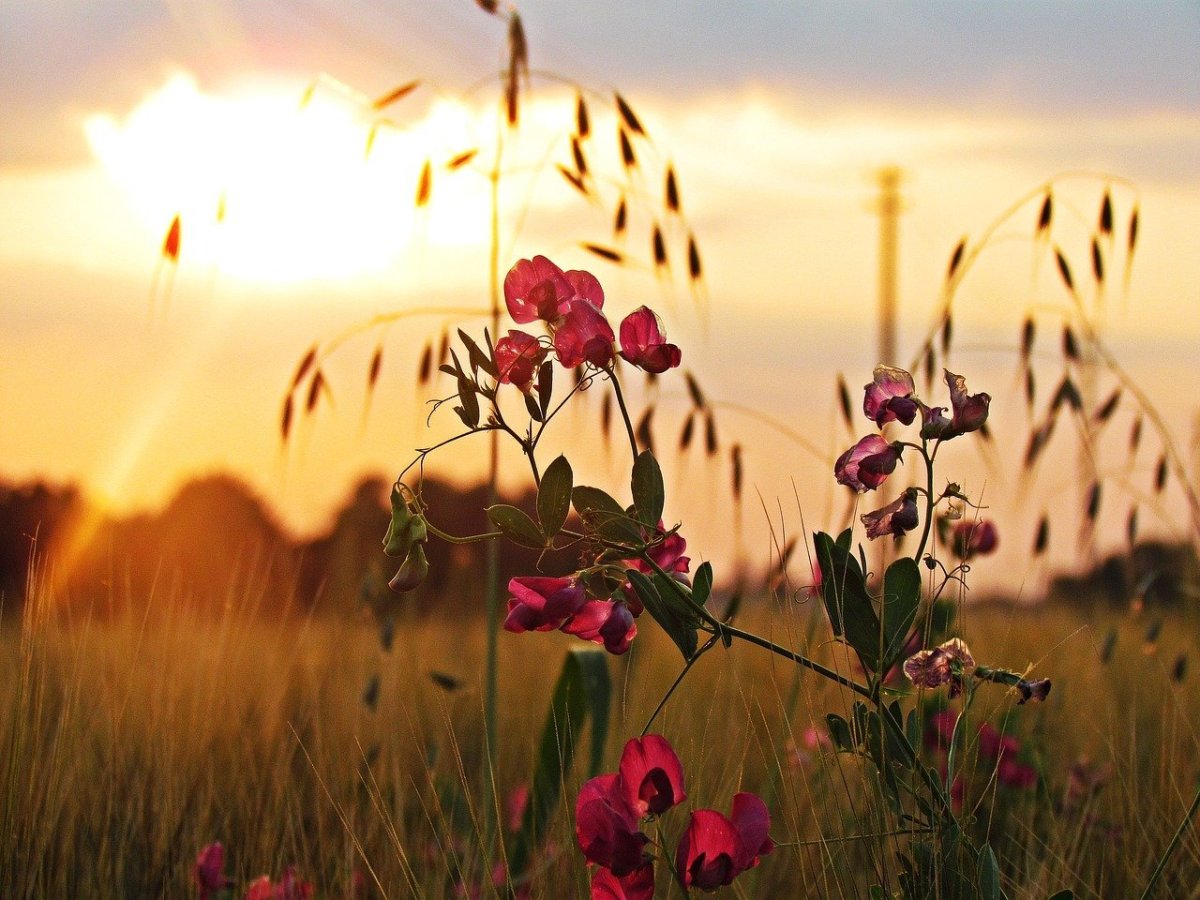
(130, 743)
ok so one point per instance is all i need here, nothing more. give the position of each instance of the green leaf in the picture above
(605, 515)
(531, 406)
(988, 874)
(702, 584)
(478, 359)
(648, 492)
(839, 732)
(850, 608)
(516, 526)
(554, 497)
(901, 595)
(469, 410)
(545, 387)
(583, 690)
(678, 623)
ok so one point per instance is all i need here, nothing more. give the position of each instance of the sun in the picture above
(275, 185)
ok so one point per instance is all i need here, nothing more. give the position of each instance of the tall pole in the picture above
(889, 207)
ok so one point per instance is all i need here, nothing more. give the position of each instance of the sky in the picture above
(130, 374)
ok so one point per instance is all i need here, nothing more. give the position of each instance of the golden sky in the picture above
(130, 375)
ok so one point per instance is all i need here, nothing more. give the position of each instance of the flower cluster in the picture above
(594, 604)
(609, 809)
(208, 874)
(1002, 751)
(891, 397)
(571, 304)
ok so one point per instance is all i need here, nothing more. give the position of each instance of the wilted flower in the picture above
(715, 849)
(889, 397)
(584, 335)
(538, 289)
(1033, 690)
(209, 870)
(970, 411)
(867, 464)
(896, 518)
(538, 603)
(974, 538)
(518, 356)
(944, 664)
(643, 343)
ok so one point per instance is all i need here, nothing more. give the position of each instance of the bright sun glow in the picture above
(270, 189)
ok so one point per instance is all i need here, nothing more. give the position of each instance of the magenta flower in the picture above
(292, 887)
(584, 335)
(637, 885)
(606, 622)
(896, 518)
(606, 828)
(518, 356)
(867, 464)
(1013, 773)
(993, 744)
(209, 871)
(538, 289)
(651, 775)
(715, 849)
(668, 556)
(538, 603)
(643, 343)
(889, 397)
(970, 411)
(974, 538)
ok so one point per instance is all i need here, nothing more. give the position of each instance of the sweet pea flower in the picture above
(584, 335)
(651, 775)
(944, 664)
(1033, 690)
(292, 887)
(637, 885)
(896, 518)
(538, 289)
(715, 849)
(538, 603)
(889, 397)
(969, 411)
(606, 622)
(643, 343)
(517, 356)
(209, 871)
(867, 464)
(1013, 773)
(667, 555)
(974, 538)
(993, 744)
(607, 828)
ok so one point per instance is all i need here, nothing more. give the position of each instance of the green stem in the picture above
(612, 376)
(679, 680)
(929, 502)
(1171, 847)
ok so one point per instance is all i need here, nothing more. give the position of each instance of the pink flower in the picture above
(606, 622)
(292, 887)
(974, 538)
(667, 555)
(538, 603)
(867, 464)
(651, 775)
(714, 849)
(584, 335)
(643, 343)
(518, 356)
(637, 885)
(890, 397)
(993, 744)
(607, 828)
(939, 730)
(970, 411)
(515, 805)
(896, 518)
(1013, 773)
(209, 870)
(538, 289)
